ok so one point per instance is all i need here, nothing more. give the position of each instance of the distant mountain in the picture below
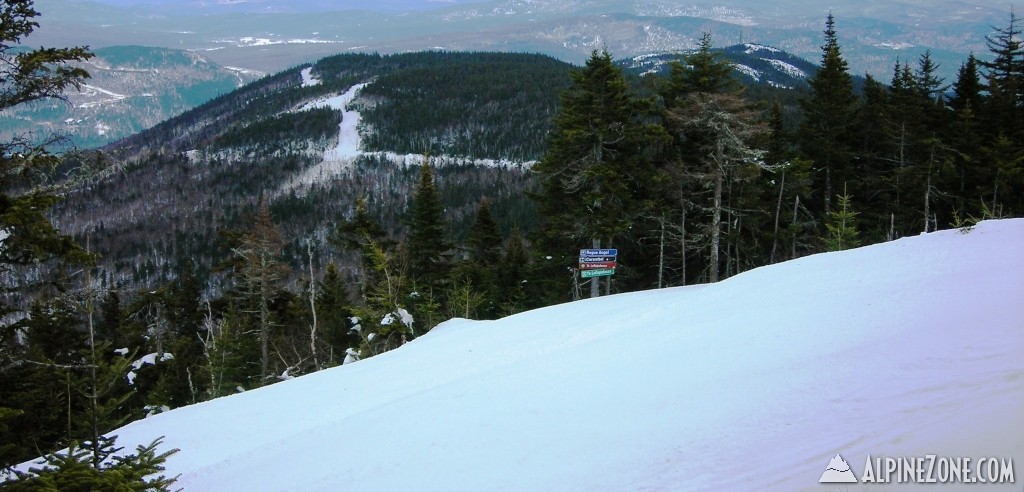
(755, 64)
(292, 139)
(272, 36)
(288, 5)
(131, 88)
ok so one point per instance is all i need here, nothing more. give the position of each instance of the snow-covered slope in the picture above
(907, 348)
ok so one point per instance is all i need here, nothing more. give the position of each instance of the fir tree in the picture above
(355, 235)
(335, 313)
(828, 114)
(427, 243)
(593, 177)
(965, 137)
(261, 272)
(73, 470)
(1005, 80)
(842, 227)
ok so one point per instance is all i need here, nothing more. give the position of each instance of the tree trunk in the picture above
(595, 282)
(796, 208)
(716, 227)
(661, 253)
(312, 309)
(778, 212)
(682, 239)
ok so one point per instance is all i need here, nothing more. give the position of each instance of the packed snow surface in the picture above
(906, 348)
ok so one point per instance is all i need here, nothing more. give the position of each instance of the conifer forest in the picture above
(690, 174)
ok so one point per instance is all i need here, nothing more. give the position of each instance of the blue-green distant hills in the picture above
(131, 88)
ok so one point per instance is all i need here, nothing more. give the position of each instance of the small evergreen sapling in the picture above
(842, 226)
(72, 470)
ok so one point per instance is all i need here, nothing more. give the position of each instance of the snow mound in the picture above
(906, 348)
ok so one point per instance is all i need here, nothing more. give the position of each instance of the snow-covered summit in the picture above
(900, 349)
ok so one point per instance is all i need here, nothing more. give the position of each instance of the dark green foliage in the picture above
(480, 105)
(426, 245)
(594, 176)
(828, 114)
(475, 289)
(842, 226)
(73, 470)
(705, 71)
(334, 311)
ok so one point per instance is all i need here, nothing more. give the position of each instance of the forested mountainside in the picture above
(130, 88)
(181, 182)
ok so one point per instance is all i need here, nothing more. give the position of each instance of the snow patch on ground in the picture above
(102, 96)
(338, 159)
(745, 70)
(901, 349)
(788, 69)
(308, 79)
(752, 48)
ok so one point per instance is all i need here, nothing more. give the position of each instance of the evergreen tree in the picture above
(484, 241)
(474, 289)
(828, 114)
(262, 272)
(966, 139)
(427, 243)
(714, 132)
(593, 177)
(842, 227)
(355, 235)
(74, 470)
(335, 313)
(704, 71)
(514, 276)
(1005, 80)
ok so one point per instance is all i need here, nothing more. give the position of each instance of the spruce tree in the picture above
(335, 313)
(828, 114)
(966, 139)
(594, 175)
(714, 135)
(261, 272)
(1005, 80)
(355, 235)
(427, 242)
(842, 226)
(474, 290)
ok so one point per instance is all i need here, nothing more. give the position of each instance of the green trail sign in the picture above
(604, 272)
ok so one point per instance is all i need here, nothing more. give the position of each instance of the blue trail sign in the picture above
(598, 252)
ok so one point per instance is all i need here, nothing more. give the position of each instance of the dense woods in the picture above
(218, 277)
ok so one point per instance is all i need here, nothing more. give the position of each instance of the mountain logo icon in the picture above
(838, 471)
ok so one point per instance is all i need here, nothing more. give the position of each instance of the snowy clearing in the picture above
(339, 159)
(906, 348)
(788, 69)
(308, 80)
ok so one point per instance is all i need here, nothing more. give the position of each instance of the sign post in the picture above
(595, 263)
